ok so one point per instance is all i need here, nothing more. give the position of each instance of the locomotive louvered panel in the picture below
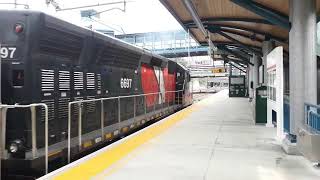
(91, 106)
(99, 81)
(47, 80)
(50, 104)
(78, 80)
(119, 57)
(64, 80)
(90, 81)
(63, 108)
(60, 43)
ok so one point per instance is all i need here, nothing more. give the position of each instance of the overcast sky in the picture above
(140, 15)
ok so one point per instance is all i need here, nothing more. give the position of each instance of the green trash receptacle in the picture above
(261, 105)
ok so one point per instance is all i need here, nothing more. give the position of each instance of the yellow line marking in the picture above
(122, 162)
(87, 144)
(125, 129)
(108, 136)
(106, 159)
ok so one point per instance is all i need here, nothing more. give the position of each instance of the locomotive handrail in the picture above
(5, 107)
(79, 102)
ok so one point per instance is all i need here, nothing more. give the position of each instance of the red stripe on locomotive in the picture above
(170, 85)
(150, 84)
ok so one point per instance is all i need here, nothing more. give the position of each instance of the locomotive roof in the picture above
(88, 32)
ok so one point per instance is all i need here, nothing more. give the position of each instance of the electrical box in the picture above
(237, 86)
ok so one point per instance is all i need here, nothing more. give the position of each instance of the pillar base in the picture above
(289, 147)
(270, 125)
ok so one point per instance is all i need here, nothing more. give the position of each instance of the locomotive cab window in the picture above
(17, 78)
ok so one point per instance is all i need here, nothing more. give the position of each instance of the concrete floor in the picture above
(217, 141)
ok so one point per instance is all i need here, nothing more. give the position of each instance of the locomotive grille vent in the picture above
(60, 43)
(90, 81)
(47, 80)
(99, 81)
(63, 108)
(50, 104)
(118, 57)
(64, 80)
(91, 106)
(78, 80)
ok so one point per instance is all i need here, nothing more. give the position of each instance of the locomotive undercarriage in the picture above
(30, 167)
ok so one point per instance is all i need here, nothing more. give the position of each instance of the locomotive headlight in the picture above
(18, 28)
(15, 146)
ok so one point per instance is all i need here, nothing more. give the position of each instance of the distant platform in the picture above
(215, 138)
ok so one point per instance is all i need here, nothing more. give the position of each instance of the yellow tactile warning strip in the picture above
(106, 159)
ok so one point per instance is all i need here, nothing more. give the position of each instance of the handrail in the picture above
(4, 108)
(312, 116)
(79, 102)
(312, 105)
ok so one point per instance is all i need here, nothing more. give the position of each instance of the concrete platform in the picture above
(215, 138)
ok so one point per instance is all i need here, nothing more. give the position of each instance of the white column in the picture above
(303, 64)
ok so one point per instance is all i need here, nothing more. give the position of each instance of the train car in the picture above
(87, 88)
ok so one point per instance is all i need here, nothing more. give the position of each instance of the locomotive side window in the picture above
(17, 78)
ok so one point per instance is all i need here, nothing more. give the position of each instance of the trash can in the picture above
(261, 105)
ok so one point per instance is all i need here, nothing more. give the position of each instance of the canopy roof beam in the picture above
(194, 14)
(237, 67)
(230, 19)
(238, 61)
(240, 56)
(237, 42)
(232, 27)
(251, 37)
(271, 15)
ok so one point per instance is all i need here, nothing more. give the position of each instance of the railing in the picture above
(312, 117)
(3, 121)
(286, 113)
(118, 98)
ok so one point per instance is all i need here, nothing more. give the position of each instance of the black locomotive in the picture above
(47, 60)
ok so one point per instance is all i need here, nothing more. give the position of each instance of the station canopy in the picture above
(240, 25)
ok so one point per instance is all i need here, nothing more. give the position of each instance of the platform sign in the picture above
(275, 90)
(219, 70)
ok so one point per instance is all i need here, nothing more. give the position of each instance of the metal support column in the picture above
(2, 147)
(102, 119)
(80, 125)
(3, 114)
(303, 64)
(250, 77)
(33, 131)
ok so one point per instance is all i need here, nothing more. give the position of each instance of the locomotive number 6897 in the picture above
(125, 83)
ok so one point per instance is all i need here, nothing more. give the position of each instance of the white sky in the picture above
(140, 15)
